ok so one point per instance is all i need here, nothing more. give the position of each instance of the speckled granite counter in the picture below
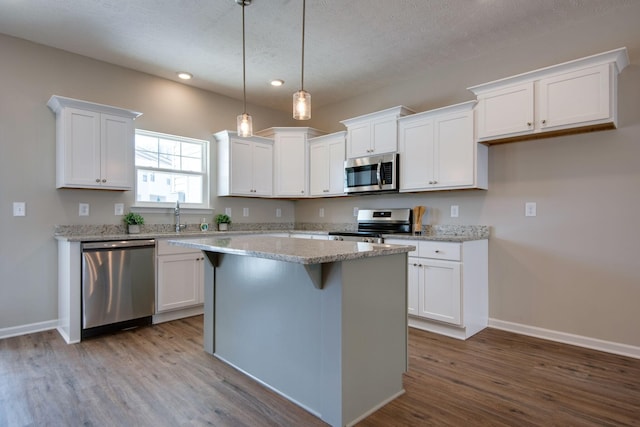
(301, 251)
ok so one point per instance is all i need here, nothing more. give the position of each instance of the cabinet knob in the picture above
(302, 191)
(529, 124)
(104, 180)
(97, 179)
(544, 122)
(437, 251)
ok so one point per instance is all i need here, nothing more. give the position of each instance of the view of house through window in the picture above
(171, 168)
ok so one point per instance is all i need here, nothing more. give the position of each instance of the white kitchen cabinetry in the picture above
(94, 145)
(374, 133)
(245, 165)
(438, 150)
(290, 159)
(575, 96)
(448, 286)
(326, 165)
(180, 277)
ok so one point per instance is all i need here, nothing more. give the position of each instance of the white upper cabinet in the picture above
(245, 165)
(290, 159)
(326, 165)
(574, 96)
(438, 150)
(94, 145)
(375, 133)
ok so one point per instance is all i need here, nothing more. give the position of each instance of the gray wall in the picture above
(570, 269)
(574, 267)
(29, 75)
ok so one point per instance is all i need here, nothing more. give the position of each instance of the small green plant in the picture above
(133, 218)
(222, 219)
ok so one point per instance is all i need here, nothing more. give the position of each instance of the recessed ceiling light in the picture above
(184, 75)
(277, 82)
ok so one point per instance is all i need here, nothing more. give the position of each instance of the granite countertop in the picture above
(301, 251)
(442, 233)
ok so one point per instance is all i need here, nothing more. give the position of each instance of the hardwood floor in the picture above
(160, 376)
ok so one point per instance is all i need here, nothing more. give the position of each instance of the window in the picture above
(171, 168)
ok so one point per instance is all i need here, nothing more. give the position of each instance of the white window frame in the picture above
(206, 174)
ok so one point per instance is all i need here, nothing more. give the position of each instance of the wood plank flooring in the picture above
(160, 376)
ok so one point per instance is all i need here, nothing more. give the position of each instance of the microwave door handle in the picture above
(378, 174)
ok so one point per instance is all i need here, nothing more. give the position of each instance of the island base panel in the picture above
(339, 351)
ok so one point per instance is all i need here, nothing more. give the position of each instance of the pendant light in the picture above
(302, 99)
(245, 125)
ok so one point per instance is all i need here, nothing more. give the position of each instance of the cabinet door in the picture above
(574, 98)
(180, 281)
(440, 292)
(241, 167)
(336, 167)
(117, 151)
(506, 112)
(262, 169)
(318, 169)
(416, 147)
(290, 165)
(454, 154)
(414, 280)
(385, 136)
(359, 140)
(79, 149)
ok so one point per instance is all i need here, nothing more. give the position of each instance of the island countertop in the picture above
(300, 251)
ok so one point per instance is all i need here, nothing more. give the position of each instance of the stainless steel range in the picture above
(373, 223)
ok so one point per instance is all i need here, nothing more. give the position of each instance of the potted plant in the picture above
(223, 222)
(133, 221)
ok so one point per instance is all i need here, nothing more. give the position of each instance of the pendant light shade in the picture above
(302, 99)
(302, 105)
(245, 124)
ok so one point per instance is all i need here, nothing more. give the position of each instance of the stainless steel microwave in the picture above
(371, 174)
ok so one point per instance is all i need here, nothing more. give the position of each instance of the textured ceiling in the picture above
(350, 47)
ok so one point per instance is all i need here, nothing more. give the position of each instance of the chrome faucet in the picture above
(176, 212)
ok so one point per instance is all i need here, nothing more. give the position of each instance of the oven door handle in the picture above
(378, 174)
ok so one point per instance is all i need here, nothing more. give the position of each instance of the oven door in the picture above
(371, 174)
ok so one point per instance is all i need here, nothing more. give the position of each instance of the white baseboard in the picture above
(566, 338)
(15, 331)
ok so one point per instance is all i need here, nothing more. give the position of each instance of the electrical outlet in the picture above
(83, 209)
(245, 211)
(19, 209)
(355, 211)
(321, 213)
(530, 209)
(118, 209)
(227, 211)
(454, 211)
(278, 212)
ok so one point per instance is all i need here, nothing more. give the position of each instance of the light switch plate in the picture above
(355, 211)
(321, 213)
(118, 209)
(530, 209)
(454, 211)
(278, 212)
(19, 209)
(245, 211)
(83, 209)
(227, 211)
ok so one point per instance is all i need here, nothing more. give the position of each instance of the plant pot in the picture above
(134, 228)
(223, 226)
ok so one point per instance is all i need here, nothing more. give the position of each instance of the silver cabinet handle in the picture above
(97, 179)
(544, 122)
(104, 180)
(529, 124)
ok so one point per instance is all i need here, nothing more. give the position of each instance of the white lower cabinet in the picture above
(180, 278)
(448, 286)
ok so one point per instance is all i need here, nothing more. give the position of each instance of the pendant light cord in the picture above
(302, 73)
(244, 83)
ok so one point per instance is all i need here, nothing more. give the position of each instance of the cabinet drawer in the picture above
(164, 248)
(440, 250)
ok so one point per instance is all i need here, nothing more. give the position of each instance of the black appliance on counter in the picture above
(373, 223)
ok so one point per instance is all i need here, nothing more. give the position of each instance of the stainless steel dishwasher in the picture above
(118, 285)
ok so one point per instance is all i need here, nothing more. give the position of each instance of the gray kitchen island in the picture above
(323, 323)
